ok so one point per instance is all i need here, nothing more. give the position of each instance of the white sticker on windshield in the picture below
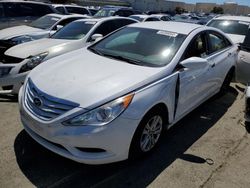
(167, 33)
(55, 19)
(245, 23)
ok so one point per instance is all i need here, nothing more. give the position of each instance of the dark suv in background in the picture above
(13, 13)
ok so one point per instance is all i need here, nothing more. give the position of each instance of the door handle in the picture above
(213, 65)
(229, 54)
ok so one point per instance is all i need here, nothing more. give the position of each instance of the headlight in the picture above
(102, 115)
(21, 39)
(33, 62)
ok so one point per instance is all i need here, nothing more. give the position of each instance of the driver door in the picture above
(193, 87)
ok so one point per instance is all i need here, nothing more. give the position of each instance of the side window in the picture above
(197, 47)
(12, 10)
(217, 42)
(165, 18)
(152, 19)
(77, 10)
(66, 21)
(27, 9)
(105, 28)
(61, 10)
(119, 13)
(42, 9)
(1, 10)
(118, 23)
(127, 13)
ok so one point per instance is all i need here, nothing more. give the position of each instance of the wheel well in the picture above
(163, 108)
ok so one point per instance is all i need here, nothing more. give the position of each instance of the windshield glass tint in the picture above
(44, 22)
(230, 27)
(105, 13)
(148, 47)
(74, 31)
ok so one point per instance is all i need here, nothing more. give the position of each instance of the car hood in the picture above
(236, 39)
(89, 79)
(36, 47)
(12, 32)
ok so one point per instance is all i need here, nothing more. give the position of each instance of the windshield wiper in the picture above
(94, 50)
(126, 59)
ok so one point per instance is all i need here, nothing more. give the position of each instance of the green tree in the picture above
(179, 10)
(218, 10)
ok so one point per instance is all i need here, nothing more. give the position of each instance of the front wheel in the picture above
(147, 134)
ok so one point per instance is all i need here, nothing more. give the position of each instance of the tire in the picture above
(226, 83)
(146, 138)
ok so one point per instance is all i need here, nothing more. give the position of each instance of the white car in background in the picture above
(234, 26)
(112, 100)
(152, 17)
(40, 28)
(20, 59)
(74, 9)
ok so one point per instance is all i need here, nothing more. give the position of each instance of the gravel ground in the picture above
(208, 148)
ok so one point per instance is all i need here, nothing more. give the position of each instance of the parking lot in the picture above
(208, 148)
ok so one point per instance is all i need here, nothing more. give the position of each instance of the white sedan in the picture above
(40, 28)
(112, 100)
(17, 61)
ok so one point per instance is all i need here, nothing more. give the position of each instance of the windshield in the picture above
(230, 26)
(44, 22)
(105, 13)
(146, 47)
(74, 31)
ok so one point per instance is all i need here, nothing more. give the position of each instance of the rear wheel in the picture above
(147, 134)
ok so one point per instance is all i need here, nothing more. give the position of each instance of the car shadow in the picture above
(46, 169)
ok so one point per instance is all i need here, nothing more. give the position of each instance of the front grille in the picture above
(5, 59)
(44, 106)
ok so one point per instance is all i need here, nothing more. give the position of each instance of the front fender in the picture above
(160, 91)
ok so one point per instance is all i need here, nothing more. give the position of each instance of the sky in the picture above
(240, 2)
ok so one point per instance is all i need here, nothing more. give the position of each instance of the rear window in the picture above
(230, 26)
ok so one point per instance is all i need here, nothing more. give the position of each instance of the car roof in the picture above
(106, 18)
(141, 15)
(235, 18)
(20, 1)
(61, 16)
(170, 26)
(158, 15)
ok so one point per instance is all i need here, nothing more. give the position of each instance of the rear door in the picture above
(222, 55)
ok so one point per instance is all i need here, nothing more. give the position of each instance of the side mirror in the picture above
(194, 63)
(96, 37)
(58, 27)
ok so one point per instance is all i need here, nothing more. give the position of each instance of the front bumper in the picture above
(112, 141)
(14, 79)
